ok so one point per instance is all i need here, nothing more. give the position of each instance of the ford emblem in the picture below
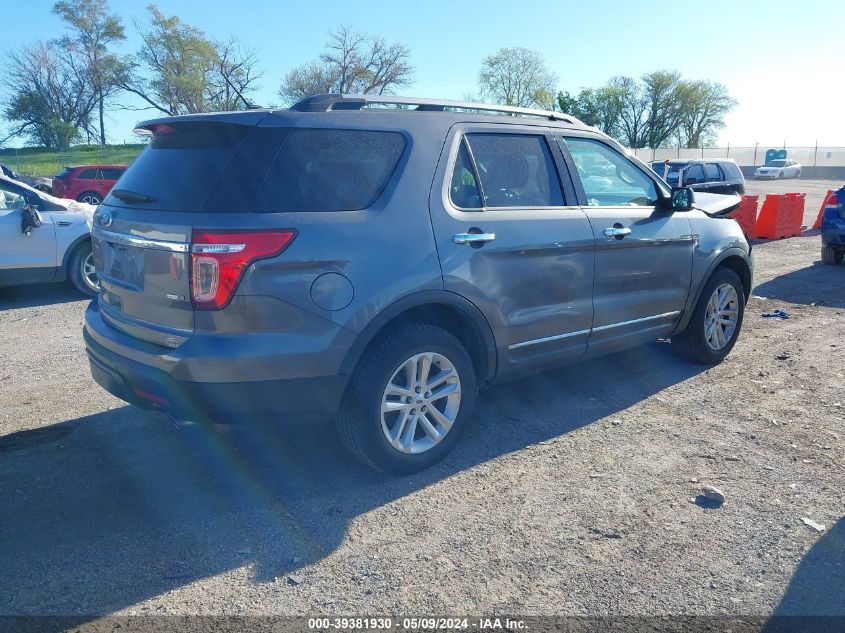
(105, 218)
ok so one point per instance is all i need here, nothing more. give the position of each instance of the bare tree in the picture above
(234, 78)
(517, 77)
(353, 63)
(50, 93)
(94, 30)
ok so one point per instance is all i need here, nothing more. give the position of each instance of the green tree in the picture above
(179, 70)
(705, 105)
(661, 91)
(517, 77)
(94, 30)
(599, 107)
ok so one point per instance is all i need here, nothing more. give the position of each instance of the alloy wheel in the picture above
(89, 273)
(721, 316)
(420, 403)
(91, 198)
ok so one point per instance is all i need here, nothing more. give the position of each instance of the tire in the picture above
(91, 197)
(780, 176)
(832, 256)
(798, 174)
(362, 426)
(78, 270)
(693, 343)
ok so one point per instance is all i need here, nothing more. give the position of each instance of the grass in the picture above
(36, 161)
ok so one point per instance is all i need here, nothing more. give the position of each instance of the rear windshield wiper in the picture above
(131, 196)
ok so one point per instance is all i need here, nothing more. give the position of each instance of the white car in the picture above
(780, 168)
(44, 239)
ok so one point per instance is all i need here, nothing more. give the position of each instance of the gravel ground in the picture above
(574, 492)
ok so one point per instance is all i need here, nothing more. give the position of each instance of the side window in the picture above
(10, 198)
(712, 172)
(330, 170)
(463, 189)
(112, 174)
(515, 170)
(694, 174)
(610, 179)
(87, 174)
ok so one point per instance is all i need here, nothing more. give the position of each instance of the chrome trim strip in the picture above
(141, 242)
(665, 315)
(546, 339)
(217, 248)
(557, 337)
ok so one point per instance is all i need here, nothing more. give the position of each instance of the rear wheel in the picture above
(716, 320)
(91, 197)
(832, 256)
(408, 400)
(81, 271)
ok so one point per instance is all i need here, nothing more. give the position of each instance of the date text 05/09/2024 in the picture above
(414, 624)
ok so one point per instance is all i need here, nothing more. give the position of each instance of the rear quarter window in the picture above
(325, 170)
(87, 174)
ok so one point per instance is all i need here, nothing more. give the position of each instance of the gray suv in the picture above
(376, 261)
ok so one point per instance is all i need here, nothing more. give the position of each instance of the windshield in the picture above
(777, 163)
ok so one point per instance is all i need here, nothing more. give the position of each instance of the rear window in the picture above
(181, 166)
(330, 170)
(67, 171)
(229, 168)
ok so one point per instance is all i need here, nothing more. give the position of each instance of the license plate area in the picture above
(124, 264)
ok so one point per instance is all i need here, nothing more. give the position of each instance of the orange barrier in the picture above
(781, 216)
(818, 223)
(746, 215)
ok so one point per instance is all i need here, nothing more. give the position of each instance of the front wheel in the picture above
(714, 327)
(832, 256)
(81, 270)
(408, 400)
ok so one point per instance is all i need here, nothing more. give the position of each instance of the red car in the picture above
(87, 183)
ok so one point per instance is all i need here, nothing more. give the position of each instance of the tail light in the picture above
(219, 259)
(832, 205)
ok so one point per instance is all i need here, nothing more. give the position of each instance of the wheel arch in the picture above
(734, 259)
(447, 310)
(72, 247)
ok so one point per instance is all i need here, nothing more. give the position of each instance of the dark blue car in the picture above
(833, 228)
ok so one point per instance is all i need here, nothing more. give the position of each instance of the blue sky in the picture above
(782, 60)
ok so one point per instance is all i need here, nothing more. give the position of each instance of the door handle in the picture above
(615, 231)
(473, 238)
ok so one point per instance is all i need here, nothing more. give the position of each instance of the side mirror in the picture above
(30, 219)
(680, 200)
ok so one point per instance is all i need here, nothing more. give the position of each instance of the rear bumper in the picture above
(313, 399)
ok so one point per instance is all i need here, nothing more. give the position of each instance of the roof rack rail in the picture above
(328, 102)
